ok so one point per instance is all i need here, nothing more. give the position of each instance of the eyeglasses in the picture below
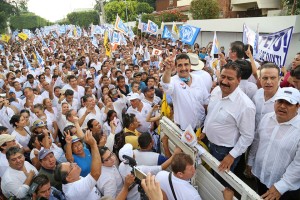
(109, 157)
(72, 166)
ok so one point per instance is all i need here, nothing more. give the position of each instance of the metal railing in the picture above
(209, 187)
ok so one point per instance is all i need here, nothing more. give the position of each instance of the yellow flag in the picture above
(5, 38)
(23, 36)
(106, 44)
(165, 109)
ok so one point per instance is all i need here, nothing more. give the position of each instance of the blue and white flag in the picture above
(166, 33)
(145, 27)
(122, 39)
(274, 47)
(62, 29)
(54, 34)
(15, 34)
(1, 47)
(189, 34)
(39, 58)
(131, 35)
(27, 63)
(152, 28)
(79, 31)
(116, 38)
(251, 37)
(94, 41)
(27, 32)
(120, 26)
(215, 46)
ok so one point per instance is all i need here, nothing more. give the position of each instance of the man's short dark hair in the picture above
(182, 56)
(233, 66)
(71, 77)
(30, 76)
(128, 119)
(12, 151)
(270, 65)
(119, 78)
(180, 161)
(144, 140)
(60, 175)
(88, 79)
(245, 67)
(69, 92)
(238, 47)
(40, 180)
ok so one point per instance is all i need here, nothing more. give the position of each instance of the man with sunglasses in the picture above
(74, 186)
(274, 154)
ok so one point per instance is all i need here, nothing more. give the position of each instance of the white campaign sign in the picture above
(274, 47)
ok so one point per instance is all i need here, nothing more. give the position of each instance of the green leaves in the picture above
(205, 9)
(27, 21)
(83, 19)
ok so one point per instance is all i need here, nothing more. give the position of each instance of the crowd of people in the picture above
(70, 127)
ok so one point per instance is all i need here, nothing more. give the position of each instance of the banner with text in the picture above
(274, 47)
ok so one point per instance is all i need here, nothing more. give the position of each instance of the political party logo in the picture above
(187, 33)
(183, 85)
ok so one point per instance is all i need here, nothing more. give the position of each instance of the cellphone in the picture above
(139, 174)
(216, 55)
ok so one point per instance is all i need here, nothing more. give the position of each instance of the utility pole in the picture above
(102, 11)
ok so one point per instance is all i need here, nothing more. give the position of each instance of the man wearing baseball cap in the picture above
(48, 166)
(274, 154)
(6, 141)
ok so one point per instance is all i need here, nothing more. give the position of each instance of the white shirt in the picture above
(188, 101)
(146, 157)
(3, 164)
(141, 117)
(97, 115)
(110, 182)
(262, 106)
(12, 182)
(77, 94)
(23, 140)
(230, 121)
(124, 170)
(206, 77)
(274, 154)
(83, 189)
(37, 99)
(75, 104)
(183, 189)
(248, 88)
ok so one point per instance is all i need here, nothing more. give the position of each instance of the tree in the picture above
(144, 8)
(205, 9)
(83, 19)
(27, 21)
(114, 7)
(150, 2)
(292, 6)
(6, 10)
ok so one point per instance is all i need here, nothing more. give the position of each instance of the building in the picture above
(228, 8)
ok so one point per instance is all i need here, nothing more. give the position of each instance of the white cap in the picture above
(289, 94)
(134, 96)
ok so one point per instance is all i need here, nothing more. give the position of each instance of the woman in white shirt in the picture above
(112, 116)
(21, 132)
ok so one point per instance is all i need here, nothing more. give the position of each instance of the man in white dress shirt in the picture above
(230, 121)
(18, 176)
(275, 152)
(189, 93)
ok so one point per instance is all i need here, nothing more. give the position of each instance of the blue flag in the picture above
(39, 58)
(166, 33)
(152, 28)
(94, 41)
(145, 26)
(27, 63)
(188, 34)
(120, 26)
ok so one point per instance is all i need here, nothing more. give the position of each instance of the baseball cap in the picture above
(43, 153)
(196, 64)
(127, 150)
(137, 74)
(75, 139)
(289, 94)
(6, 138)
(134, 96)
(36, 124)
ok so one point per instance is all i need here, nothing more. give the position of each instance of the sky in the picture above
(54, 10)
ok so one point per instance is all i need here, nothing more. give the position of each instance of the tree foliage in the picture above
(289, 5)
(83, 19)
(6, 10)
(150, 2)
(166, 16)
(205, 9)
(119, 7)
(27, 21)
